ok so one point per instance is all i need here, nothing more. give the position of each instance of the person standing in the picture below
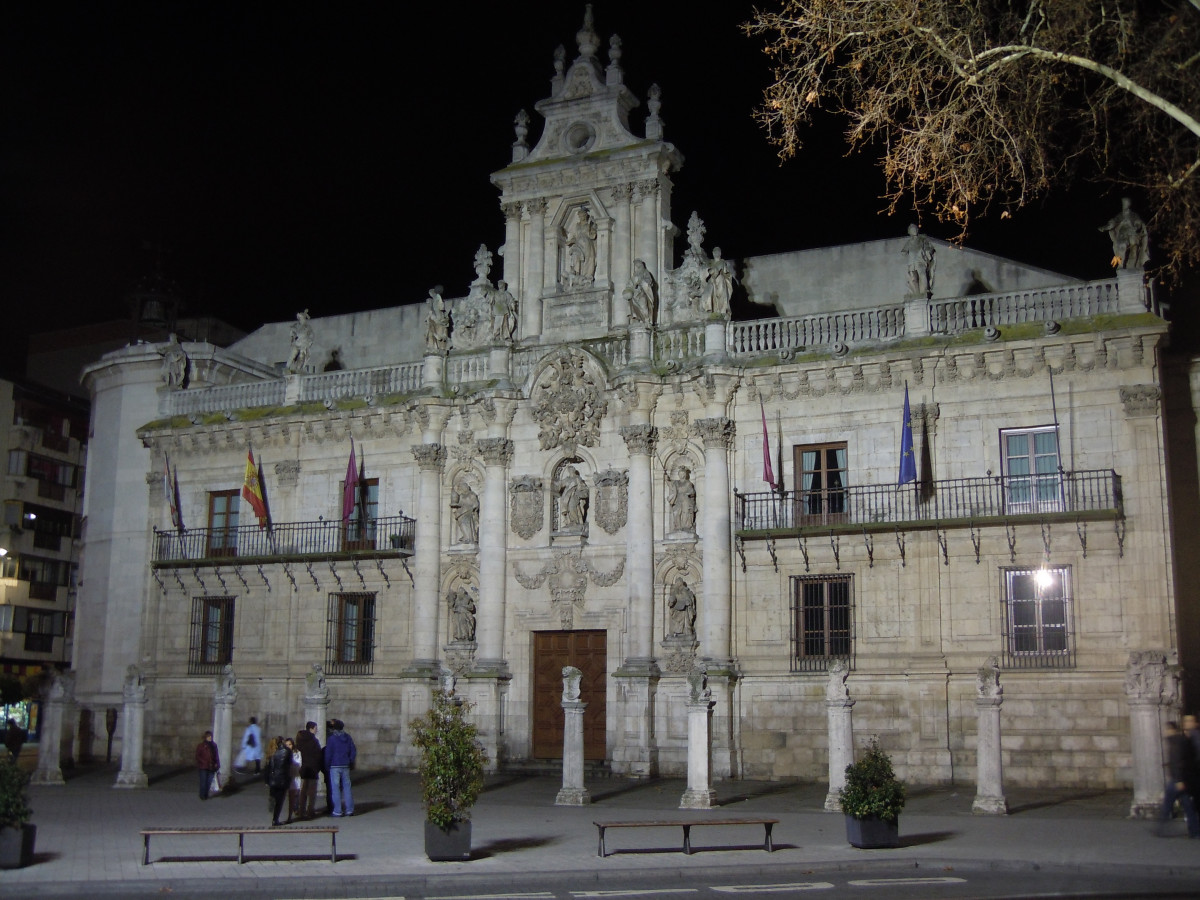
(279, 766)
(252, 745)
(340, 753)
(293, 780)
(208, 761)
(14, 738)
(1181, 781)
(310, 769)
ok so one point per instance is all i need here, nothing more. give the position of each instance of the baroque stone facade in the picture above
(618, 517)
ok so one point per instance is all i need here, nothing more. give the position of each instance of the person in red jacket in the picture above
(208, 761)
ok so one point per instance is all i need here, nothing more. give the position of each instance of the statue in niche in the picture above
(681, 497)
(1130, 240)
(437, 323)
(464, 506)
(719, 281)
(504, 313)
(579, 261)
(462, 614)
(682, 607)
(642, 294)
(573, 497)
(919, 277)
(302, 339)
(175, 364)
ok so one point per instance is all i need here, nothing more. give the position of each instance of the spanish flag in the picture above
(252, 491)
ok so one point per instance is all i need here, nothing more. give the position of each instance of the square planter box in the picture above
(449, 845)
(16, 846)
(872, 833)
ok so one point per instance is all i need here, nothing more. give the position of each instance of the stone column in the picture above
(493, 550)
(316, 699)
(512, 249)
(838, 706)
(622, 254)
(225, 694)
(646, 227)
(639, 345)
(56, 698)
(699, 793)
(989, 780)
(132, 731)
(538, 280)
(573, 793)
(714, 341)
(639, 544)
(431, 460)
(717, 435)
(1152, 686)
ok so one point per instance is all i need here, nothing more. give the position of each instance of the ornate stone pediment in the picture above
(612, 500)
(568, 404)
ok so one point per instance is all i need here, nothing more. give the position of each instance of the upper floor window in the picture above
(1037, 618)
(211, 645)
(360, 528)
(820, 483)
(351, 634)
(822, 621)
(222, 522)
(1034, 478)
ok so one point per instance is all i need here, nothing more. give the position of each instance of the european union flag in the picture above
(908, 459)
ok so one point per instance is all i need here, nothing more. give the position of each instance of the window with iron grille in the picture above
(822, 621)
(1038, 618)
(350, 645)
(211, 644)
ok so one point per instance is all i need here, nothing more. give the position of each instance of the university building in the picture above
(565, 463)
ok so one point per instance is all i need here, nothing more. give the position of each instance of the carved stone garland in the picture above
(568, 574)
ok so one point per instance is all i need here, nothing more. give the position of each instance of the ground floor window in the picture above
(1037, 618)
(822, 615)
(211, 644)
(351, 636)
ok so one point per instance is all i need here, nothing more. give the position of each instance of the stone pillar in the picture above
(573, 793)
(1152, 686)
(56, 699)
(316, 700)
(989, 779)
(714, 341)
(132, 731)
(499, 364)
(838, 706)
(646, 227)
(512, 249)
(639, 345)
(639, 544)
(493, 551)
(699, 793)
(538, 280)
(916, 318)
(431, 460)
(225, 694)
(433, 371)
(717, 435)
(622, 254)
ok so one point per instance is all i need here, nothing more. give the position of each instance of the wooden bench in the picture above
(687, 826)
(241, 831)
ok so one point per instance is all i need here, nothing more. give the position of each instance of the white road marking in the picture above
(886, 882)
(635, 893)
(536, 895)
(772, 888)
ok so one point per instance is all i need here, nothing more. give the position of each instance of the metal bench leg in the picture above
(687, 839)
(333, 846)
(241, 847)
(146, 854)
(769, 847)
(600, 850)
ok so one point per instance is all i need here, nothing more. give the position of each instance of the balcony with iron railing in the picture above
(386, 537)
(956, 502)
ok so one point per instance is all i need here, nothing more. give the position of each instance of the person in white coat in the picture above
(252, 749)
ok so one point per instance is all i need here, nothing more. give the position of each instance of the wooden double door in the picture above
(588, 652)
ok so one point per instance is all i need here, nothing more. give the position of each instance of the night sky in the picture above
(336, 157)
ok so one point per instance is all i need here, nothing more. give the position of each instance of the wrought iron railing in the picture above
(387, 536)
(965, 499)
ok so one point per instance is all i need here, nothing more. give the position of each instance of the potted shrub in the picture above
(871, 800)
(16, 834)
(451, 771)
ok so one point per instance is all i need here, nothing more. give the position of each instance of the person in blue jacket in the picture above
(339, 757)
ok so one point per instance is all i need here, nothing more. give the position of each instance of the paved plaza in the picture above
(88, 835)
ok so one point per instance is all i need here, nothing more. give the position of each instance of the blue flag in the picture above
(908, 460)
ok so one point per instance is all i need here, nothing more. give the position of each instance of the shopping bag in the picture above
(216, 785)
(240, 759)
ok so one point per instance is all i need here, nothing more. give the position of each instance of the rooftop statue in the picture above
(919, 250)
(1130, 240)
(719, 285)
(437, 323)
(175, 364)
(302, 339)
(642, 294)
